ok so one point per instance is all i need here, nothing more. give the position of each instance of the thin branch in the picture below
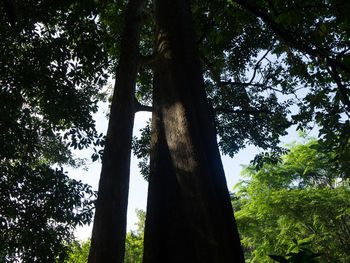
(260, 85)
(224, 84)
(226, 110)
(258, 63)
(342, 53)
(243, 84)
(140, 107)
(343, 91)
(248, 84)
(147, 60)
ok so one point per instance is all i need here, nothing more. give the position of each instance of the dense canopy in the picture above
(303, 197)
(266, 64)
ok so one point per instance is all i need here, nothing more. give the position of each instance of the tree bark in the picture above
(109, 229)
(189, 213)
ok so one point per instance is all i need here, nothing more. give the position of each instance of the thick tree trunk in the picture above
(189, 214)
(109, 229)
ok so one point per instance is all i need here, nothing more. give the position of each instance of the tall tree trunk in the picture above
(109, 229)
(189, 214)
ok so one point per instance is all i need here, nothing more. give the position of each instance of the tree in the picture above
(315, 40)
(161, 124)
(108, 235)
(247, 54)
(39, 210)
(48, 94)
(188, 206)
(304, 197)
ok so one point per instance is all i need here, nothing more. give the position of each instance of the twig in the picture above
(261, 59)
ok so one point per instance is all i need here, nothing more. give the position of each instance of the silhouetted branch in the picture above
(226, 110)
(223, 84)
(257, 64)
(141, 107)
(294, 39)
(147, 60)
(214, 74)
(343, 91)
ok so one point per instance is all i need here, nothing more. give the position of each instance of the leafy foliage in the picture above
(39, 209)
(232, 45)
(79, 251)
(233, 48)
(141, 148)
(52, 62)
(302, 255)
(311, 62)
(134, 241)
(303, 197)
(55, 56)
(268, 65)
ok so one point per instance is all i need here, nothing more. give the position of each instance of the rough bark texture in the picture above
(109, 229)
(189, 214)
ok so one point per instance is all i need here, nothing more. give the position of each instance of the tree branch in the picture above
(253, 112)
(223, 84)
(147, 60)
(140, 107)
(214, 74)
(261, 59)
(294, 39)
(247, 84)
(343, 91)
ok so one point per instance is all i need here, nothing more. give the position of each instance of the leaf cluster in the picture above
(39, 208)
(53, 65)
(302, 255)
(303, 197)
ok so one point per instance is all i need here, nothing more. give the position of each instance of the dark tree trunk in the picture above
(189, 214)
(108, 234)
